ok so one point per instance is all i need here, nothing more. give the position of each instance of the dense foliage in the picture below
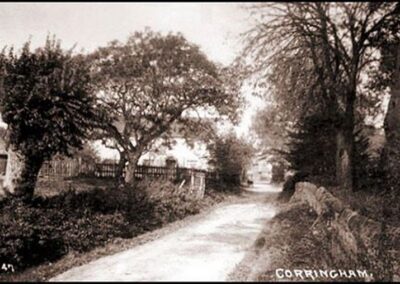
(311, 151)
(312, 146)
(50, 227)
(152, 82)
(230, 156)
(47, 102)
(314, 56)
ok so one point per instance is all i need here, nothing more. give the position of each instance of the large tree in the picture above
(47, 102)
(391, 152)
(386, 79)
(333, 42)
(152, 82)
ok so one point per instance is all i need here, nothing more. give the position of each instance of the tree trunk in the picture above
(15, 163)
(390, 162)
(133, 159)
(344, 155)
(391, 151)
(21, 175)
(119, 175)
(345, 147)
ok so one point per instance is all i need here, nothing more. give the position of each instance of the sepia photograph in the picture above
(200, 141)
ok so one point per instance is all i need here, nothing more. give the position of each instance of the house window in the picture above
(3, 164)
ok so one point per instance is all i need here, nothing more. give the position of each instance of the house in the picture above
(194, 156)
(186, 156)
(261, 168)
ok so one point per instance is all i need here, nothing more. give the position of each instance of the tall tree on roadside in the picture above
(391, 152)
(151, 82)
(47, 102)
(386, 79)
(335, 41)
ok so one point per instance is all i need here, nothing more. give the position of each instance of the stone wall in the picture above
(356, 241)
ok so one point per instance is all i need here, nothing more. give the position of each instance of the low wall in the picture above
(355, 240)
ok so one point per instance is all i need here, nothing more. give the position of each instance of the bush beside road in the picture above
(58, 227)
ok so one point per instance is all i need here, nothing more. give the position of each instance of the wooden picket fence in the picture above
(72, 168)
(62, 168)
(195, 178)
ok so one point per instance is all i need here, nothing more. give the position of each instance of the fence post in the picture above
(171, 168)
(202, 185)
(78, 166)
(191, 180)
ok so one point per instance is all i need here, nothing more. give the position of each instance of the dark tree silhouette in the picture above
(326, 47)
(47, 102)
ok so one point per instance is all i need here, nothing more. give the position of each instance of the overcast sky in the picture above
(215, 27)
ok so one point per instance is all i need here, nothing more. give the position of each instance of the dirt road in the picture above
(206, 250)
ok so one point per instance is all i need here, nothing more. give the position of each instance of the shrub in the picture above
(160, 202)
(49, 227)
(230, 156)
(278, 173)
(96, 200)
(29, 236)
(92, 230)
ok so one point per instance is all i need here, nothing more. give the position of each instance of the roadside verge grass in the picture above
(288, 241)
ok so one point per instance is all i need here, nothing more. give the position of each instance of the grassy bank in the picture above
(289, 241)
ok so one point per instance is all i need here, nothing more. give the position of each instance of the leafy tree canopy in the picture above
(152, 82)
(46, 100)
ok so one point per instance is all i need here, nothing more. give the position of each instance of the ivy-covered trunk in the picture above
(14, 166)
(21, 175)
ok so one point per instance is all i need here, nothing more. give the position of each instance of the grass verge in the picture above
(288, 241)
